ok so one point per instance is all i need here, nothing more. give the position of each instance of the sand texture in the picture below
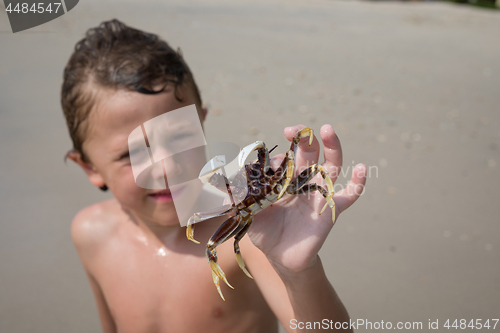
(412, 89)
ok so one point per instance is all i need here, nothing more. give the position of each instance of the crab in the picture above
(252, 189)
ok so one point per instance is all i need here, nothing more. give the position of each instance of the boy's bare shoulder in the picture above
(95, 224)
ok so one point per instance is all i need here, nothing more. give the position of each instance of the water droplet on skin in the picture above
(161, 252)
(143, 239)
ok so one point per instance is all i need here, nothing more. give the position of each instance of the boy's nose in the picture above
(166, 169)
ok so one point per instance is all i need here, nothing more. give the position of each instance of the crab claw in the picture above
(289, 172)
(217, 274)
(245, 152)
(211, 167)
(307, 132)
(331, 192)
(190, 233)
(331, 203)
(241, 263)
(217, 285)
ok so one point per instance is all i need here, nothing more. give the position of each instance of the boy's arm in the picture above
(107, 321)
(297, 297)
(86, 232)
(312, 297)
(290, 234)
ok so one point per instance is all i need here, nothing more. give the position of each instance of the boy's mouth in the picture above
(163, 195)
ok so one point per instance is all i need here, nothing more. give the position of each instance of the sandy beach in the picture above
(412, 89)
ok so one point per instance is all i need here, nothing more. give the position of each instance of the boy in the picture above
(145, 275)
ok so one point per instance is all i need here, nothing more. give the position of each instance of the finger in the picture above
(275, 161)
(332, 151)
(307, 155)
(346, 197)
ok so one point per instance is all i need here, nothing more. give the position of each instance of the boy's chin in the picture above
(170, 222)
(161, 215)
(166, 218)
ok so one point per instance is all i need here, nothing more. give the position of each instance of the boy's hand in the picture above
(291, 232)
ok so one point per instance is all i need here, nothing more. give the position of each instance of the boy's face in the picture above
(115, 115)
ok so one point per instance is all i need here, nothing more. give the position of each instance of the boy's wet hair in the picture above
(115, 56)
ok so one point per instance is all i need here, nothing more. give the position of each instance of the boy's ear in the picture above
(94, 177)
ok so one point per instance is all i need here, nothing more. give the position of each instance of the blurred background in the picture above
(412, 89)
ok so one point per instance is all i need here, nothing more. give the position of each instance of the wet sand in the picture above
(411, 88)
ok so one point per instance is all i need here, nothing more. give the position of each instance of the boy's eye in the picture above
(181, 136)
(126, 155)
(137, 155)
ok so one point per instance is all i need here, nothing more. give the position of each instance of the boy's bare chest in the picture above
(159, 290)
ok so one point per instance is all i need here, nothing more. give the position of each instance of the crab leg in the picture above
(226, 230)
(307, 175)
(305, 132)
(241, 233)
(289, 160)
(205, 216)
